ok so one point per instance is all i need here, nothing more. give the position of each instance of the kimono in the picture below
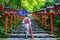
(27, 25)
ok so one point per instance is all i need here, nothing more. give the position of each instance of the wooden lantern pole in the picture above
(45, 21)
(51, 22)
(50, 10)
(11, 22)
(42, 18)
(15, 18)
(6, 24)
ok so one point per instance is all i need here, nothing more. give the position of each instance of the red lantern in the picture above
(43, 13)
(6, 14)
(51, 12)
(1, 8)
(57, 7)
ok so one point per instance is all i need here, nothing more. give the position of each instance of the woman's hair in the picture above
(25, 15)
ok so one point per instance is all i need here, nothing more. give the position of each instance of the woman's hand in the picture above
(0, 16)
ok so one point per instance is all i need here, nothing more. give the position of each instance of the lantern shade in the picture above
(22, 12)
(43, 9)
(50, 9)
(57, 5)
(6, 8)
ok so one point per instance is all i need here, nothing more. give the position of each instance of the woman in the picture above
(26, 22)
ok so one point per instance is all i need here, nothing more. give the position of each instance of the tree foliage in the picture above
(29, 5)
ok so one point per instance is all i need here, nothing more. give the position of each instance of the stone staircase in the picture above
(37, 35)
(38, 32)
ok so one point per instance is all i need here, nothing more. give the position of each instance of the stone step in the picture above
(29, 39)
(35, 35)
(35, 32)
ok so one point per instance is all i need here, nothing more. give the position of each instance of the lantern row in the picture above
(8, 12)
(49, 10)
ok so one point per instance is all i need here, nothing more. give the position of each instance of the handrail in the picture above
(31, 33)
